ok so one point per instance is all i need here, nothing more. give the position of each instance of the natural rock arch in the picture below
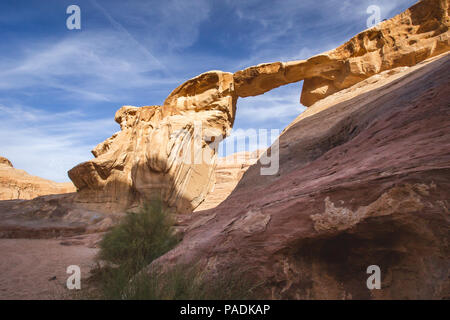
(150, 137)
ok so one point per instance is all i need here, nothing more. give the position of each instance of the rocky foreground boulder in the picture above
(18, 184)
(364, 180)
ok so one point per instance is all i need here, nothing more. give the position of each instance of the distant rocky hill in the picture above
(5, 162)
(17, 184)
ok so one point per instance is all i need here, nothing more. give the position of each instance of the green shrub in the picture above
(143, 237)
(140, 238)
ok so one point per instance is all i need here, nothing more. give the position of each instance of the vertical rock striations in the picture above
(164, 151)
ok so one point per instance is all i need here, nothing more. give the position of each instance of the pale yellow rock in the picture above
(385, 78)
(166, 152)
(229, 171)
(5, 162)
(419, 33)
(18, 184)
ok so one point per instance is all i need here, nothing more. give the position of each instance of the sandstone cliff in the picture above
(17, 184)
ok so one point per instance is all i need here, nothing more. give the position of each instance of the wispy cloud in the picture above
(90, 66)
(292, 29)
(49, 144)
(158, 26)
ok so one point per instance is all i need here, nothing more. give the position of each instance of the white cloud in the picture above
(49, 144)
(92, 66)
(168, 25)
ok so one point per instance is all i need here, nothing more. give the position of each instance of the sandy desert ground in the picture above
(36, 268)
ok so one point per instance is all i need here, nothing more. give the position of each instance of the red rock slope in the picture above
(363, 181)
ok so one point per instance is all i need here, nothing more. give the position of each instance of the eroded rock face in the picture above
(18, 184)
(405, 40)
(164, 151)
(52, 216)
(364, 181)
(229, 171)
(5, 162)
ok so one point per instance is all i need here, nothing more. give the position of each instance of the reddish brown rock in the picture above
(52, 216)
(362, 182)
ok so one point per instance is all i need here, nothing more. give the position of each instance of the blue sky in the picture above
(60, 88)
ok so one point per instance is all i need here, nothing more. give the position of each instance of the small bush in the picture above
(143, 237)
(140, 238)
(190, 283)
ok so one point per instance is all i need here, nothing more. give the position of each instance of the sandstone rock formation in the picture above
(363, 181)
(166, 151)
(5, 162)
(405, 40)
(143, 159)
(17, 184)
(228, 172)
(52, 216)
